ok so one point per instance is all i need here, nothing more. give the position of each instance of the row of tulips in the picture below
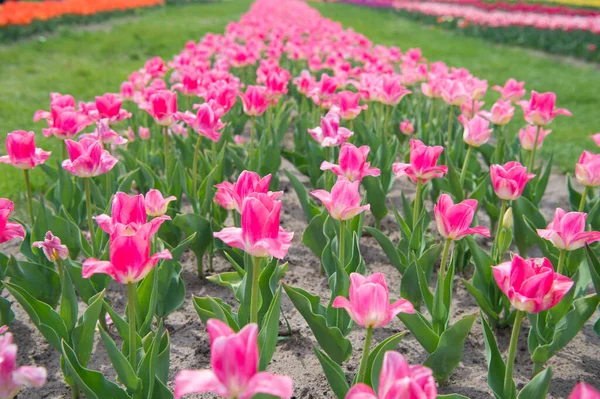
(204, 177)
(564, 34)
(523, 6)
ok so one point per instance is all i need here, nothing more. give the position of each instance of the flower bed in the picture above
(292, 158)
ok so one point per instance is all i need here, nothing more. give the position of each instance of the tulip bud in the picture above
(507, 220)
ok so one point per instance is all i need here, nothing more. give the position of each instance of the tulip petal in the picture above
(198, 381)
(361, 391)
(93, 266)
(33, 377)
(270, 384)
(231, 236)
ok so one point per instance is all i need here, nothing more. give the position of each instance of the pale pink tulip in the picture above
(234, 360)
(206, 122)
(109, 107)
(527, 137)
(567, 231)
(305, 82)
(454, 220)
(587, 169)
(9, 230)
(106, 135)
(509, 180)
(255, 100)
(130, 259)
(406, 127)
(584, 391)
(512, 91)
(369, 303)
(127, 91)
(398, 380)
(343, 203)
(162, 106)
(596, 138)
(540, 109)
(260, 235)
(454, 93)
(423, 163)
(232, 195)
(144, 133)
(353, 163)
(13, 379)
(477, 87)
(471, 108)
(348, 103)
(476, 132)
(87, 158)
(330, 134)
(531, 285)
(131, 212)
(390, 90)
(502, 112)
(156, 205)
(52, 247)
(22, 152)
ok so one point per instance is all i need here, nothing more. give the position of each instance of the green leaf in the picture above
(269, 331)
(538, 387)
(450, 349)
(125, 372)
(68, 303)
(422, 331)
(594, 266)
(388, 248)
(40, 281)
(409, 286)
(310, 209)
(313, 236)
(214, 308)
(375, 361)
(375, 196)
(542, 181)
(331, 339)
(92, 383)
(496, 366)
(191, 223)
(522, 208)
(456, 188)
(83, 334)
(334, 373)
(482, 300)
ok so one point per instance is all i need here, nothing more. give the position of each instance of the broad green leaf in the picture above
(594, 266)
(84, 333)
(423, 333)
(313, 236)
(334, 373)
(310, 209)
(388, 248)
(496, 366)
(538, 387)
(375, 361)
(214, 308)
(375, 196)
(125, 372)
(68, 303)
(269, 332)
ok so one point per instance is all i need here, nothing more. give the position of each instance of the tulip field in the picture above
(286, 208)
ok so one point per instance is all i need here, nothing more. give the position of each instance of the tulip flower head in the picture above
(454, 93)
(509, 180)
(9, 230)
(65, 123)
(255, 100)
(454, 220)
(52, 247)
(108, 107)
(511, 91)
(423, 163)
(261, 235)
(587, 170)
(348, 103)
(390, 90)
(13, 379)
(369, 303)
(232, 195)
(156, 205)
(501, 113)
(531, 285)
(528, 134)
(540, 109)
(567, 231)
(343, 202)
(584, 391)
(162, 106)
(106, 135)
(234, 374)
(353, 163)
(57, 100)
(477, 131)
(406, 127)
(596, 138)
(330, 134)
(206, 121)
(87, 158)
(22, 152)
(398, 380)
(305, 82)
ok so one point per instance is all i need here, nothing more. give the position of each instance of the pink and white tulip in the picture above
(528, 134)
(406, 127)
(511, 91)
(501, 114)
(509, 180)
(348, 103)
(109, 107)
(596, 138)
(156, 205)
(13, 378)
(232, 195)
(255, 100)
(540, 110)
(22, 152)
(206, 121)
(87, 158)
(584, 391)
(454, 220)
(162, 106)
(567, 231)
(353, 163)
(330, 134)
(9, 230)
(52, 247)
(476, 132)
(454, 93)
(343, 202)
(65, 123)
(587, 170)
(423, 163)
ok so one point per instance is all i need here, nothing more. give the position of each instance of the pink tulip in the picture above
(369, 303)
(596, 138)
(234, 361)
(454, 93)
(156, 205)
(189, 84)
(527, 137)
(130, 259)
(406, 127)
(540, 110)
(57, 100)
(348, 105)
(509, 180)
(155, 67)
(398, 380)
(87, 158)
(454, 220)
(109, 107)
(260, 235)
(512, 91)
(277, 82)
(422, 166)
(501, 114)
(162, 106)
(144, 133)
(567, 231)
(477, 131)
(584, 391)
(390, 90)
(13, 379)
(471, 108)
(206, 121)
(232, 195)
(131, 212)
(65, 123)
(305, 82)
(22, 152)
(477, 87)
(254, 100)
(323, 89)
(353, 163)
(106, 135)
(330, 134)
(587, 170)
(343, 203)
(52, 247)
(127, 91)
(531, 285)
(9, 230)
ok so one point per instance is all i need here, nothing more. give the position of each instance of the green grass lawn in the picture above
(92, 60)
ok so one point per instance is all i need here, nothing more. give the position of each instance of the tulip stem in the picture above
(195, 168)
(463, 173)
(254, 292)
(450, 125)
(88, 207)
(431, 109)
(131, 299)
(63, 150)
(29, 203)
(495, 249)
(537, 368)
(166, 144)
(512, 350)
(252, 132)
(533, 150)
(385, 123)
(417, 203)
(498, 153)
(442, 276)
(189, 102)
(581, 203)
(365, 356)
(342, 242)
(561, 261)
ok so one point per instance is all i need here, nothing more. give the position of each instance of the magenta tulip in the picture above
(162, 106)
(476, 132)
(540, 110)
(567, 231)
(531, 285)
(65, 123)
(13, 379)
(9, 230)
(528, 134)
(330, 134)
(353, 163)
(398, 380)
(232, 195)
(109, 107)
(587, 169)
(52, 247)
(87, 158)
(502, 112)
(390, 90)
(348, 103)
(206, 121)
(234, 361)
(511, 91)
(22, 152)
(343, 203)
(422, 166)
(454, 220)
(255, 100)
(156, 205)
(584, 391)
(509, 180)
